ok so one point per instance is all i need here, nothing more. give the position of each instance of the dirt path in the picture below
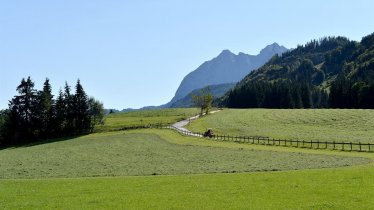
(179, 126)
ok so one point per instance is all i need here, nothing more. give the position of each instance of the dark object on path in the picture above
(208, 133)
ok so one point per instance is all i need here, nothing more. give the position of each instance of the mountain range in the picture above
(226, 68)
(219, 74)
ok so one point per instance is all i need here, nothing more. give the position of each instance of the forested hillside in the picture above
(329, 72)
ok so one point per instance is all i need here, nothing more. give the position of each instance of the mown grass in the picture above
(119, 121)
(340, 125)
(333, 188)
(310, 189)
(147, 153)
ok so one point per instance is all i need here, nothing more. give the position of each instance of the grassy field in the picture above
(349, 187)
(140, 153)
(341, 125)
(311, 189)
(120, 120)
(161, 169)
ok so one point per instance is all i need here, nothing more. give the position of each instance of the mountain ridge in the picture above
(227, 67)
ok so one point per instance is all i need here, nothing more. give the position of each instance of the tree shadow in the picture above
(40, 142)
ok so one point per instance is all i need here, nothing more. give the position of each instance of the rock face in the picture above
(227, 67)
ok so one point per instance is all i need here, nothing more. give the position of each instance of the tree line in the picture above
(280, 94)
(35, 114)
(343, 93)
(346, 93)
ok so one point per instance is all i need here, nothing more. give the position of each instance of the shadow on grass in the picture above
(40, 142)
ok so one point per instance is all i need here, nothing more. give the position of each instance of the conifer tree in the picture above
(22, 112)
(60, 113)
(46, 108)
(69, 103)
(81, 114)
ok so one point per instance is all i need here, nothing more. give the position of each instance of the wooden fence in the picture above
(261, 140)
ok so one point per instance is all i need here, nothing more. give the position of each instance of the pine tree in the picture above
(81, 114)
(60, 113)
(46, 109)
(69, 102)
(22, 112)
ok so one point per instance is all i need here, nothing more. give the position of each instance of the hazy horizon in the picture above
(135, 54)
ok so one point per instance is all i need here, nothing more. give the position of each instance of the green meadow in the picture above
(162, 169)
(340, 125)
(150, 152)
(118, 121)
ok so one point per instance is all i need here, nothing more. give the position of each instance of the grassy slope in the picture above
(119, 120)
(146, 153)
(311, 124)
(340, 188)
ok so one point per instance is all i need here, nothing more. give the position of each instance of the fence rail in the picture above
(261, 140)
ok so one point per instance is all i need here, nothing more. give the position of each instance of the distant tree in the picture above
(306, 95)
(96, 112)
(203, 100)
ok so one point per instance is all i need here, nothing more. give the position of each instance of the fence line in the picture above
(261, 140)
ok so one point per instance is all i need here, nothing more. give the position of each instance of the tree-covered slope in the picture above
(336, 66)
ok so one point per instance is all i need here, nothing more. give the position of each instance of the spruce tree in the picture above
(60, 113)
(69, 127)
(22, 123)
(81, 114)
(46, 109)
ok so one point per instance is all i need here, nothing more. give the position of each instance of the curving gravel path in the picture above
(179, 126)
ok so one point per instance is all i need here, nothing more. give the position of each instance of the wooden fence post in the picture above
(351, 145)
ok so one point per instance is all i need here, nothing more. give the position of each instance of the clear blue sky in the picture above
(135, 53)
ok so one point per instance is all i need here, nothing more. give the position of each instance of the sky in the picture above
(136, 53)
